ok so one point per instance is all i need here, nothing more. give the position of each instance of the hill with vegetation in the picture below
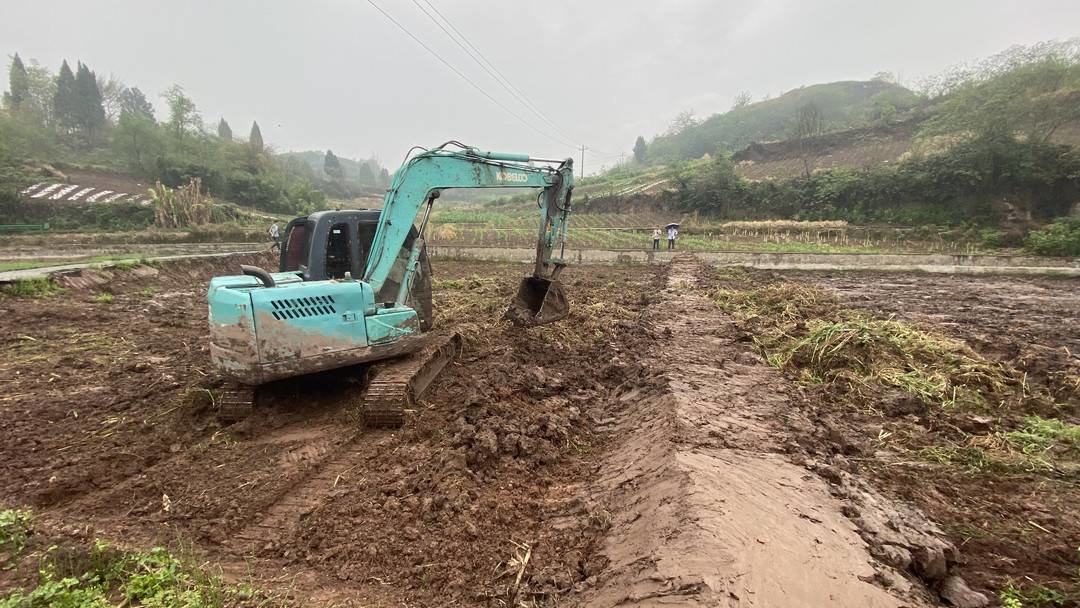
(841, 105)
(991, 146)
(75, 120)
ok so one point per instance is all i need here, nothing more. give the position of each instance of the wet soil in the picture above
(1012, 527)
(638, 452)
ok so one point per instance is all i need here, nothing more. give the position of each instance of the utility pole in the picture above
(583, 161)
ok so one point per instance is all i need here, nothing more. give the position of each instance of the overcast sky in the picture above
(337, 74)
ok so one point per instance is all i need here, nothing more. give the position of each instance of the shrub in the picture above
(14, 534)
(1060, 238)
(32, 288)
(993, 239)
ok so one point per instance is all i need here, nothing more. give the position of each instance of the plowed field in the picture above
(649, 450)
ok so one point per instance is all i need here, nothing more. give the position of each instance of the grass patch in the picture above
(1034, 596)
(37, 287)
(6, 266)
(104, 298)
(119, 261)
(128, 264)
(14, 535)
(1042, 435)
(104, 576)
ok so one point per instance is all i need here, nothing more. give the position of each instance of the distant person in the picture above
(656, 238)
(672, 232)
(275, 235)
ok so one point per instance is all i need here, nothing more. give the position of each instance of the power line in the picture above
(486, 64)
(467, 79)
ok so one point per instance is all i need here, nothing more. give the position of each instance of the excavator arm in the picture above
(416, 185)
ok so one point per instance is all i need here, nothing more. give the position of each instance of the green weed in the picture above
(1041, 435)
(128, 264)
(972, 458)
(37, 287)
(14, 534)
(1032, 596)
(104, 298)
(152, 579)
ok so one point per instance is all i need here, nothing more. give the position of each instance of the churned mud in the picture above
(640, 452)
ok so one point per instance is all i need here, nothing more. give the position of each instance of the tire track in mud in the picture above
(706, 509)
(280, 520)
(303, 444)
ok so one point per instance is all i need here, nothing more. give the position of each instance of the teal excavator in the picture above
(354, 287)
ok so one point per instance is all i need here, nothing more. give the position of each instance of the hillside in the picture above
(844, 105)
(315, 159)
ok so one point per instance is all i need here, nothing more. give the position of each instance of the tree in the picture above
(183, 115)
(809, 126)
(384, 177)
(255, 140)
(885, 76)
(112, 91)
(133, 102)
(137, 139)
(639, 149)
(42, 86)
(1034, 100)
(332, 166)
(365, 174)
(742, 100)
(89, 111)
(224, 131)
(682, 121)
(64, 104)
(19, 84)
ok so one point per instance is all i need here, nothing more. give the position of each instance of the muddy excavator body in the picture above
(354, 286)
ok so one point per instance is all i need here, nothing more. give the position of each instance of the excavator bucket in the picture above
(539, 301)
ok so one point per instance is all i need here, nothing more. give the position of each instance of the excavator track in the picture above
(236, 402)
(396, 385)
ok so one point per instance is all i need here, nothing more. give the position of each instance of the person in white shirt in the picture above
(656, 238)
(275, 235)
(672, 232)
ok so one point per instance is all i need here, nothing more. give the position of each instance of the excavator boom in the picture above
(418, 182)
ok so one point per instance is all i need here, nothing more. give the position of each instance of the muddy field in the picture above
(642, 452)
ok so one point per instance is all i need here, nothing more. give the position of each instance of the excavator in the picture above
(354, 287)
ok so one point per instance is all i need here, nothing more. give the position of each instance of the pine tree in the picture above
(332, 166)
(639, 149)
(19, 83)
(255, 139)
(64, 99)
(88, 108)
(224, 131)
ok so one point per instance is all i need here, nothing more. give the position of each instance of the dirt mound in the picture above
(706, 507)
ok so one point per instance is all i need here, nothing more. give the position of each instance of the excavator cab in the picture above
(336, 244)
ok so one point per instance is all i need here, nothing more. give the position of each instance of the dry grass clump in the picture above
(805, 330)
(785, 225)
(936, 369)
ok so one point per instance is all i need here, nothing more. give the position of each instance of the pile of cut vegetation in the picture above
(890, 368)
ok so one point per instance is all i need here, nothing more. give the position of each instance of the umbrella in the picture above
(672, 225)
